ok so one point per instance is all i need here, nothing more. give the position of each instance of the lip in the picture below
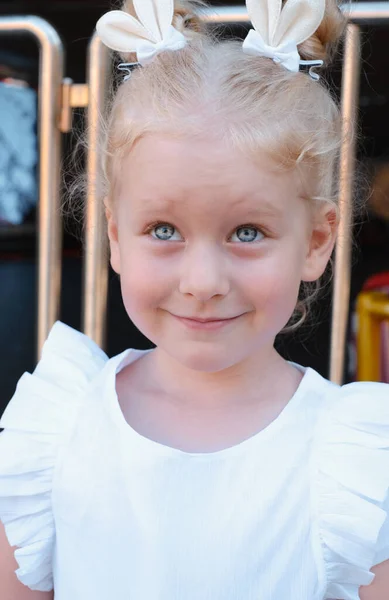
(206, 324)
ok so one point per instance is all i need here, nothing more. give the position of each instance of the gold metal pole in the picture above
(95, 279)
(342, 271)
(50, 233)
(372, 311)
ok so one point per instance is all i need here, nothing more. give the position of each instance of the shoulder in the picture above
(69, 362)
(68, 352)
(351, 483)
(36, 422)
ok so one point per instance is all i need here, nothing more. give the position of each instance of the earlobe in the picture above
(321, 245)
(113, 239)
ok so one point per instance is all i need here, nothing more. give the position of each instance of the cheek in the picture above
(272, 285)
(144, 283)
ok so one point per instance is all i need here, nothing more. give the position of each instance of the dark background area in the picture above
(75, 20)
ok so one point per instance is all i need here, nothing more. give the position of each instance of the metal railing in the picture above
(95, 280)
(342, 267)
(51, 70)
(92, 95)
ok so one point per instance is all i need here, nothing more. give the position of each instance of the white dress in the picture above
(98, 511)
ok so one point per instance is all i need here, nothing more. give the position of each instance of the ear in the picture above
(113, 237)
(321, 242)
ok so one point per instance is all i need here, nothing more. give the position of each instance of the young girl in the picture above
(208, 468)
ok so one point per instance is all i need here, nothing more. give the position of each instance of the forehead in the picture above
(189, 173)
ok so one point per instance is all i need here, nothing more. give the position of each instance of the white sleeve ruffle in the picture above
(36, 424)
(351, 485)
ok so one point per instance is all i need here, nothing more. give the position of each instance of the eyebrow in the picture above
(163, 202)
(263, 208)
(260, 207)
(266, 209)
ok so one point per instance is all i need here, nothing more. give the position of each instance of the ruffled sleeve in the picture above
(36, 424)
(351, 487)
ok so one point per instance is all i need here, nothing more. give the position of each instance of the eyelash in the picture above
(246, 225)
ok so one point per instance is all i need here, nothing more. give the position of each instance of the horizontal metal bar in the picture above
(368, 12)
(74, 95)
(358, 12)
(79, 95)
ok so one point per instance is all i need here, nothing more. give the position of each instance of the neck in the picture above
(264, 375)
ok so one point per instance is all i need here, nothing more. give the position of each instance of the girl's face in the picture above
(200, 231)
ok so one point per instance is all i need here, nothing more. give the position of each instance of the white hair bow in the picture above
(152, 34)
(278, 30)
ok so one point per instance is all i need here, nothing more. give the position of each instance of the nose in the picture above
(204, 272)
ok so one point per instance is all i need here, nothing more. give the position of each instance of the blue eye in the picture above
(164, 232)
(248, 233)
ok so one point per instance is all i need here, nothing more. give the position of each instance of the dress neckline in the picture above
(149, 446)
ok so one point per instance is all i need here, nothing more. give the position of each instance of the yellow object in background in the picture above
(372, 351)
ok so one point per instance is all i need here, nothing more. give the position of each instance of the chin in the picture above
(204, 360)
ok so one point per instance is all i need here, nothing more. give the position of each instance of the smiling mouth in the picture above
(206, 324)
(209, 320)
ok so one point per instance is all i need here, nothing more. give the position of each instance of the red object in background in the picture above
(378, 282)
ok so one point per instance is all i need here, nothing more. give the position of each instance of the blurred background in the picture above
(19, 61)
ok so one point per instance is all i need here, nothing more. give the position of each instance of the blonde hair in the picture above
(251, 102)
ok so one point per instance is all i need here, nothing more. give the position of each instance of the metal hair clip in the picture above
(314, 64)
(127, 67)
